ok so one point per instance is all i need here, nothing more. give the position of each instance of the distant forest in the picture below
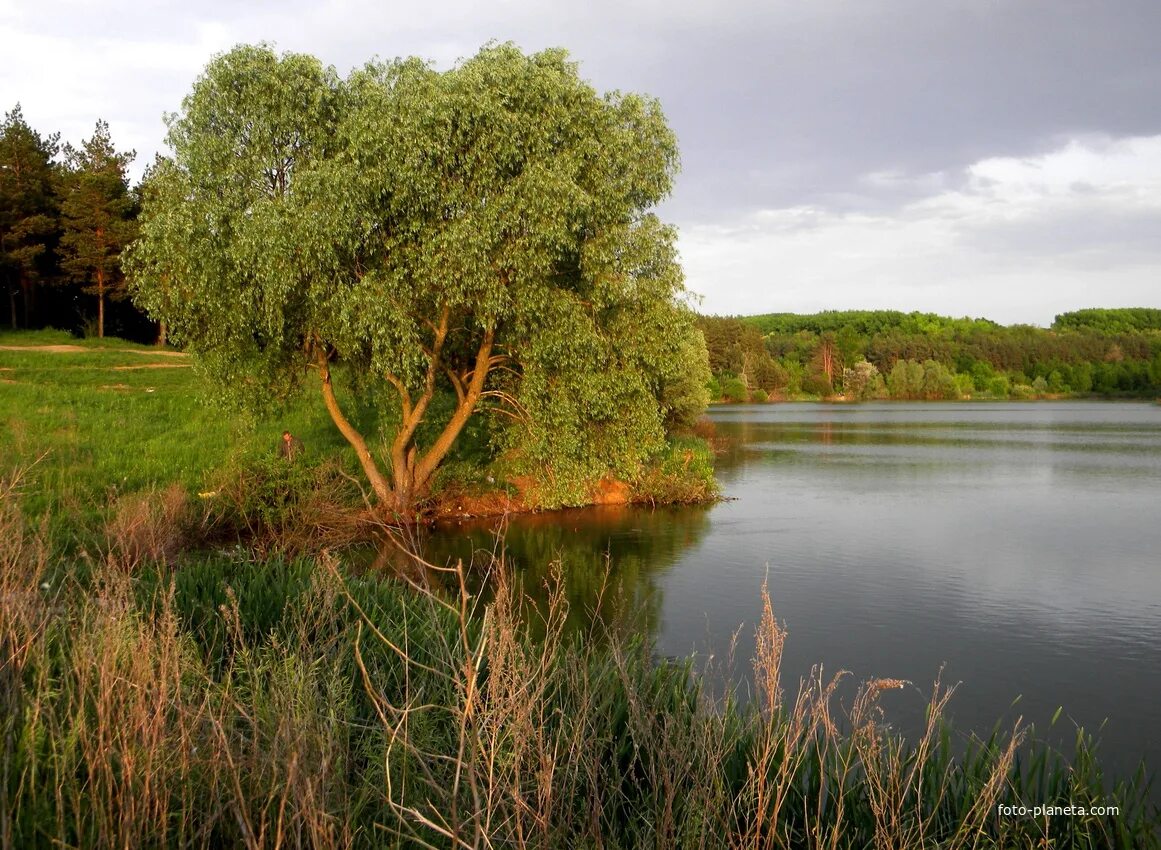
(864, 354)
(66, 214)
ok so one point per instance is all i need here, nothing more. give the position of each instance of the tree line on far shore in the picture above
(863, 354)
(66, 214)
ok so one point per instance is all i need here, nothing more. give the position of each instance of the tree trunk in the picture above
(100, 305)
(422, 471)
(27, 292)
(370, 468)
(412, 470)
(161, 333)
(12, 304)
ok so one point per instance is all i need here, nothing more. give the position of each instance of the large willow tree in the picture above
(482, 234)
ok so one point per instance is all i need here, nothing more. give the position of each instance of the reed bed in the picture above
(240, 700)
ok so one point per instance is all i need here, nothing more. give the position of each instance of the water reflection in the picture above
(611, 558)
(1014, 545)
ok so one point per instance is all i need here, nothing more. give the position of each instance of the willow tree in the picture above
(482, 233)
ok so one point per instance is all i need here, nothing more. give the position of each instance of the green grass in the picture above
(116, 418)
(110, 418)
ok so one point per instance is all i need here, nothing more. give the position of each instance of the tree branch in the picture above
(463, 412)
(378, 482)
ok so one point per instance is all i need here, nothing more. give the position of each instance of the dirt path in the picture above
(152, 366)
(54, 349)
(65, 348)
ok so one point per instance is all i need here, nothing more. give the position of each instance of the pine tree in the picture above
(97, 217)
(28, 213)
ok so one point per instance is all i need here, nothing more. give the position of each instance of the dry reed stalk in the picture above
(151, 526)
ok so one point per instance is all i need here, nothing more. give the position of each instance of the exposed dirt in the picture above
(449, 505)
(52, 349)
(611, 491)
(152, 352)
(491, 503)
(152, 366)
(66, 348)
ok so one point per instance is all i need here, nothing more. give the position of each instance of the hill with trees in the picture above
(862, 354)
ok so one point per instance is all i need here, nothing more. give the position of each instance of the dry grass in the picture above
(150, 526)
(374, 714)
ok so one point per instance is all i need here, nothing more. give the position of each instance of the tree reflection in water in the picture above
(610, 558)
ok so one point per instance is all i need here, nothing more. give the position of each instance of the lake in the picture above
(1015, 546)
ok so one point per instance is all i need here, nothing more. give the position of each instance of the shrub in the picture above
(684, 473)
(734, 390)
(999, 386)
(151, 525)
(817, 383)
(285, 505)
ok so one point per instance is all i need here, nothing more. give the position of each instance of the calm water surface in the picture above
(1015, 546)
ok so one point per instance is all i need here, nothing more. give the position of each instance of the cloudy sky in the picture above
(996, 158)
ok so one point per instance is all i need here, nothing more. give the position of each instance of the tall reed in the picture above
(241, 701)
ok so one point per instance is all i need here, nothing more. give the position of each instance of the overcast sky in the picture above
(996, 158)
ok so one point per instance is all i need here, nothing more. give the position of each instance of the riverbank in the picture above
(111, 419)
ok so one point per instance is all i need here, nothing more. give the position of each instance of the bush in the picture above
(684, 473)
(999, 386)
(817, 383)
(734, 390)
(714, 388)
(285, 505)
(759, 396)
(152, 525)
(905, 380)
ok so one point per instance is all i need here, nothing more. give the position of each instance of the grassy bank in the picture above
(112, 418)
(237, 701)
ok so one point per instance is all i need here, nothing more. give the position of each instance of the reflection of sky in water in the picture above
(1019, 544)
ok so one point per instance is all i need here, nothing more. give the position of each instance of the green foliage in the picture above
(714, 388)
(486, 231)
(862, 381)
(862, 323)
(1109, 352)
(683, 390)
(96, 218)
(273, 502)
(681, 474)
(28, 207)
(759, 396)
(1110, 321)
(734, 390)
(928, 380)
(817, 383)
